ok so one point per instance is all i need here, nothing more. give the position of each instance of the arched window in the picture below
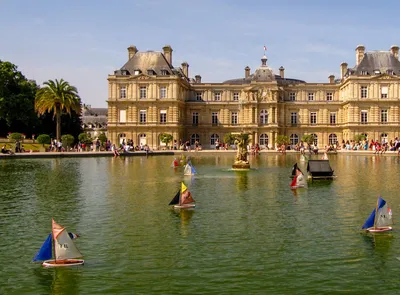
(194, 138)
(315, 139)
(384, 137)
(213, 138)
(294, 139)
(264, 139)
(263, 117)
(332, 139)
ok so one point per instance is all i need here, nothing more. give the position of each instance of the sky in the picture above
(83, 41)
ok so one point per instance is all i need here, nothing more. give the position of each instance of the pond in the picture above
(249, 234)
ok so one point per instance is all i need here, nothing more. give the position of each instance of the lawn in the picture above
(35, 147)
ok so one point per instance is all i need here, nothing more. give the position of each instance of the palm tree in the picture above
(57, 96)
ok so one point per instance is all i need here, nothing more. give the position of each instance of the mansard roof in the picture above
(149, 60)
(382, 61)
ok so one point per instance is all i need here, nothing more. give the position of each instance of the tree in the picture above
(359, 137)
(57, 96)
(229, 138)
(102, 138)
(308, 138)
(17, 96)
(166, 138)
(282, 139)
(16, 136)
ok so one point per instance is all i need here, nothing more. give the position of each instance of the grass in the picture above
(35, 147)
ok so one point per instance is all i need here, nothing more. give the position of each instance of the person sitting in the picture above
(5, 151)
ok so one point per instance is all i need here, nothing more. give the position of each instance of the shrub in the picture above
(67, 140)
(43, 139)
(16, 136)
(85, 138)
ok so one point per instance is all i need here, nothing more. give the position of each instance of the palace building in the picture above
(148, 96)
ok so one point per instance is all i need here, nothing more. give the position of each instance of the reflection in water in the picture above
(242, 180)
(58, 280)
(185, 216)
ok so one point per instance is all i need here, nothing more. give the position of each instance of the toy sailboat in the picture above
(298, 178)
(65, 251)
(380, 218)
(189, 169)
(183, 199)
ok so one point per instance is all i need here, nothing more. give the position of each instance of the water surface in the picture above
(249, 234)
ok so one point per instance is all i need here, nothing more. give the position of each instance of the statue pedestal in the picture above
(241, 166)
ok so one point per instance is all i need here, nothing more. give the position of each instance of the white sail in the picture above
(187, 170)
(65, 248)
(300, 181)
(384, 217)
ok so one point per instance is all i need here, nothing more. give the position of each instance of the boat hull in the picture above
(185, 206)
(297, 186)
(379, 229)
(63, 263)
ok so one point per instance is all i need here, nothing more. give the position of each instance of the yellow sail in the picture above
(184, 187)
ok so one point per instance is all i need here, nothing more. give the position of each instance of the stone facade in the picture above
(148, 97)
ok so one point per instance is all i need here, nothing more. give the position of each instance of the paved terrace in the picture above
(168, 152)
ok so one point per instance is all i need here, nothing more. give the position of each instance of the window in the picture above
(234, 118)
(199, 96)
(164, 72)
(313, 118)
(294, 139)
(389, 72)
(364, 73)
(364, 117)
(384, 116)
(214, 118)
(264, 139)
(143, 91)
(329, 96)
(163, 117)
(311, 96)
(137, 72)
(122, 116)
(236, 96)
(332, 139)
(293, 118)
(217, 96)
(195, 119)
(292, 96)
(163, 92)
(263, 117)
(364, 92)
(384, 137)
(332, 118)
(122, 92)
(142, 116)
(213, 138)
(384, 92)
(315, 136)
(194, 138)
(377, 72)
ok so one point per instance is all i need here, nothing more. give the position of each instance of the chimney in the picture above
(167, 50)
(343, 70)
(360, 50)
(395, 51)
(247, 72)
(198, 78)
(332, 79)
(282, 72)
(132, 51)
(185, 69)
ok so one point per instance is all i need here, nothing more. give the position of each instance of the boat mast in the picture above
(376, 212)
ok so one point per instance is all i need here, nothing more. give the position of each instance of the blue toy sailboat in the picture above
(380, 218)
(65, 251)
